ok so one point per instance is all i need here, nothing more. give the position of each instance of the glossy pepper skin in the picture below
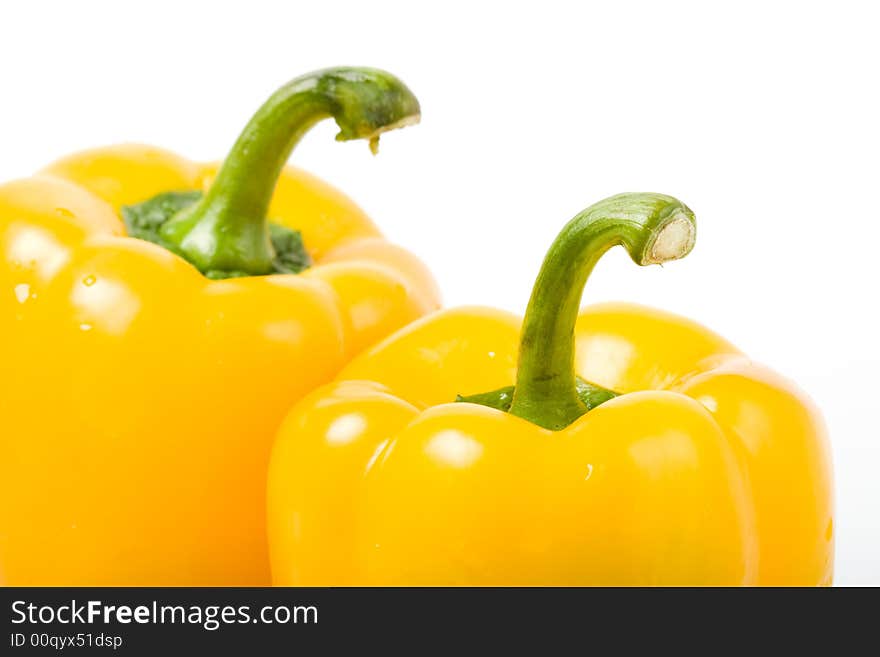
(704, 468)
(140, 398)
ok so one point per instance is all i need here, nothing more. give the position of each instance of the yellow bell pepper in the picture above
(669, 459)
(139, 397)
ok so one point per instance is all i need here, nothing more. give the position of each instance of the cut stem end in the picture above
(673, 241)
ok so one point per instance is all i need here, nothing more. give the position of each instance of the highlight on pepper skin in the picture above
(615, 445)
(151, 374)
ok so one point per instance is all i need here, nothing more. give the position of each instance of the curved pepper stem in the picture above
(228, 229)
(652, 227)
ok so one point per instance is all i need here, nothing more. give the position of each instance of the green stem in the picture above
(652, 227)
(228, 230)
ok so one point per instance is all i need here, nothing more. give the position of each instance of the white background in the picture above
(762, 116)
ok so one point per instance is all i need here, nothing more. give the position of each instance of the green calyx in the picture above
(145, 220)
(589, 393)
(226, 231)
(654, 229)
